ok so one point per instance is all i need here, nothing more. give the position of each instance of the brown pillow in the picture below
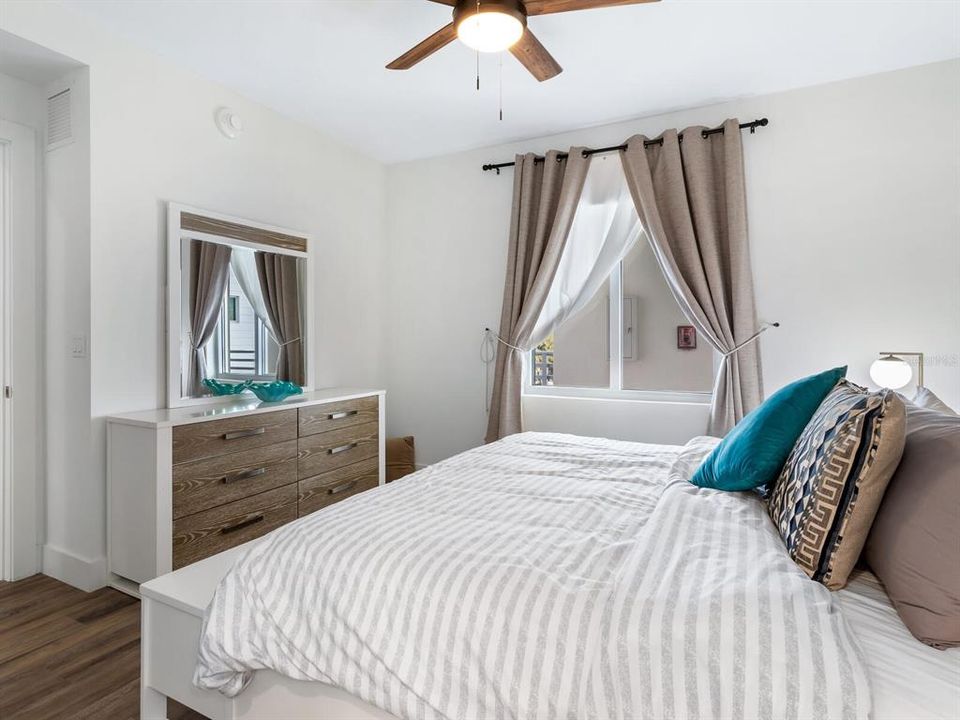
(926, 399)
(914, 546)
(828, 492)
(400, 457)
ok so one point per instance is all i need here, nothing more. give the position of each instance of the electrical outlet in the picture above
(78, 346)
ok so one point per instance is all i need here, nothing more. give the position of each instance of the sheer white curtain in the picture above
(604, 229)
(244, 267)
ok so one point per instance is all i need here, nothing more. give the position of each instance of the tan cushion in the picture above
(914, 546)
(400, 457)
(828, 492)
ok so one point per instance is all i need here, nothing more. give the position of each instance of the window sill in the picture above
(644, 396)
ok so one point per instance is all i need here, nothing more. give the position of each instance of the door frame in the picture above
(6, 470)
(20, 497)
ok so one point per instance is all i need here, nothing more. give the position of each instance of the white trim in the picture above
(21, 415)
(382, 441)
(175, 236)
(615, 326)
(6, 444)
(648, 396)
(87, 574)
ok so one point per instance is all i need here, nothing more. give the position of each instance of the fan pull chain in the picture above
(500, 73)
(478, 51)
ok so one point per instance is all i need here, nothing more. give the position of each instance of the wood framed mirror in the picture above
(239, 304)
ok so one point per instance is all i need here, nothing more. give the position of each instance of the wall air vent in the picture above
(59, 121)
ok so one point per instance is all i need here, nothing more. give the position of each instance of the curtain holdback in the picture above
(753, 338)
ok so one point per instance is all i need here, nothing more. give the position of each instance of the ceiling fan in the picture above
(495, 25)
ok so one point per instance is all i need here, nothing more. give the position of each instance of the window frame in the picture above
(260, 374)
(615, 391)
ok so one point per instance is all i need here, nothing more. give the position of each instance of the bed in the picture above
(541, 576)
(908, 680)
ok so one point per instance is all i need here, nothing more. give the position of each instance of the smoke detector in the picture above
(228, 123)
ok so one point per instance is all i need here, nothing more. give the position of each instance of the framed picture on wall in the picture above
(686, 337)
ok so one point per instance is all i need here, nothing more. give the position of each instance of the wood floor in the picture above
(67, 654)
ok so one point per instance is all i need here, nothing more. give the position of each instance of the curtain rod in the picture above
(753, 125)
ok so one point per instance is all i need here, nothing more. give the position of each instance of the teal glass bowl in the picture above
(274, 391)
(225, 388)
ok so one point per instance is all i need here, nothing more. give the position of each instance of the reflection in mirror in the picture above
(242, 315)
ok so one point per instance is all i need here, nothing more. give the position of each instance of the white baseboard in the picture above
(83, 573)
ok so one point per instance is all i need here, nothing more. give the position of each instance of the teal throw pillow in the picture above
(754, 452)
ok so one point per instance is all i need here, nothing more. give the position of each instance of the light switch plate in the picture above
(78, 346)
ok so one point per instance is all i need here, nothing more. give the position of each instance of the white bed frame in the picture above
(171, 617)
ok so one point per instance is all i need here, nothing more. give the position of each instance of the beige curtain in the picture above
(545, 198)
(209, 272)
(692, 203)
(280, 284)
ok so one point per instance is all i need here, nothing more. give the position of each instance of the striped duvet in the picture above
(542, 576)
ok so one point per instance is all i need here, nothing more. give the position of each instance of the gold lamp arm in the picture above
(919, 356)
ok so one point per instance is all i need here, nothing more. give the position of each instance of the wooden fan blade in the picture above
(443, 36)
(534, 57)
(548, 7)
(451, 3)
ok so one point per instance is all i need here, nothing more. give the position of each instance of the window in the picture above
(242, 346)
(651, 347)
(233, 308)
(658, 361)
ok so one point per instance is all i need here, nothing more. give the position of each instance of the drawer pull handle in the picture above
(244, 433)
(242, 524)
(245, 475)
(341, 487)
(340, 415)
(341, 448)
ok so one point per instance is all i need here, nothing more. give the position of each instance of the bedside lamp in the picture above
(892, 371)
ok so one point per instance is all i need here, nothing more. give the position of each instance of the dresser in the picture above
(187, 483)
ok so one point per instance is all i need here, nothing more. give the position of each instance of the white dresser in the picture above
(186, 483)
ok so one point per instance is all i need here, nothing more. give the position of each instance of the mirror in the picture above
(238, 306)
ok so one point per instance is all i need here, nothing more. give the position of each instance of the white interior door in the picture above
(20, 338)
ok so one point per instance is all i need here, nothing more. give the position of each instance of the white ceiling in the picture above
(322, 61)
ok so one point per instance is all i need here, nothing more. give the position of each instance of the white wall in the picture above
(152, 139)
(855, 232)
(70, 551)
(22, 102)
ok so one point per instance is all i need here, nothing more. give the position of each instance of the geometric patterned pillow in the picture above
(824, 501)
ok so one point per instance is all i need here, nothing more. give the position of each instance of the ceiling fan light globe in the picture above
(490, 31)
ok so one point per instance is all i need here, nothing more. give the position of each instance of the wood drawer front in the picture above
(203, 484)
(206, 533)
(321, 491)
(335, 449)
(219, 437)
(334, 416)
